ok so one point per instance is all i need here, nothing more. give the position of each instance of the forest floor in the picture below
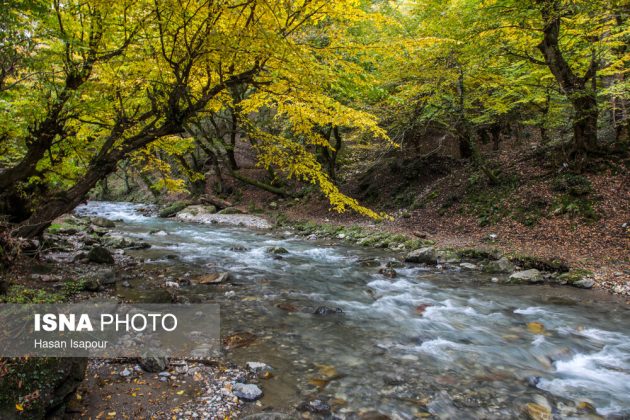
(540, 210)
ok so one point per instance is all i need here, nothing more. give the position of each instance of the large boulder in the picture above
(198, 210)
(100, 255)
(426, 255)
(502, 265)
(174, 208)
(39, 388)
(527, 276)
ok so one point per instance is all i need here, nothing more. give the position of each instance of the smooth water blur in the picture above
(430, 339)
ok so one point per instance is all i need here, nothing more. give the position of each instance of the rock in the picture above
(238, 339)
(172, 284)
(120, 242)
(231, 210)
(153, 363)
(212, 278)
(91, 285)
(394, 264)
(55, 379)
(373, 415)
(100, 255)
(258, 367)
(239, 248)
(325, 310)
(182, 368)
(159, 233)
(469, 266)
(578, 278)
(388, 272)
(276, 250)
(535, 328)
(538, 412)
(125, 373)
(369, 262)
(173, 209)
(393, 380)
(527, 276)
(107, 277)
(584, 283)
(102, 222)
(315, 407)
(425, 255)
(126, 284)
(247, 392)
(286, 306)
(502, 265)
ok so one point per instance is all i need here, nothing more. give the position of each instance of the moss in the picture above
(574, 275)
(543, 264)
(38, 385)
(172, 209)
(477, 254)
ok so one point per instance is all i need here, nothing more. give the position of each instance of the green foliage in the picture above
(72, 287)
(573, 206)
(573, 184)
(22, 294)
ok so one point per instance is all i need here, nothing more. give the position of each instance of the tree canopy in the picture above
(85, 86)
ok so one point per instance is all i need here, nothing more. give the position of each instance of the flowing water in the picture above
(440, 341)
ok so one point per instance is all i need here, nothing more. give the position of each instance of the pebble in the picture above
(125, 373)
(258, 366)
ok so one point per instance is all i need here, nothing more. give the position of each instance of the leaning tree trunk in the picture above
(64, 202)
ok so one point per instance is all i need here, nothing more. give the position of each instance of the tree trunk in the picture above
(585, 123)
(64, 202)
(583, 98)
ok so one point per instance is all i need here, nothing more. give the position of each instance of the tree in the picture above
(137, 72)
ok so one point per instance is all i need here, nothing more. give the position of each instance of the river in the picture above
(445, 342)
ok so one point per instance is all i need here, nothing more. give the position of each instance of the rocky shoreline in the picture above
(502, 267)
(81, 259)
(505, 267)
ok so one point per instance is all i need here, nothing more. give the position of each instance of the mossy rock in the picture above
(478, 254)
(231, 210)
(40, 387)
(172, 209)
(543, 264)
(574, 276)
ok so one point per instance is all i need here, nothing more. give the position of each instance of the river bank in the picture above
(320, 309)
(611, 274)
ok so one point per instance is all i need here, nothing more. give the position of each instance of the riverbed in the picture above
(440, 341)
